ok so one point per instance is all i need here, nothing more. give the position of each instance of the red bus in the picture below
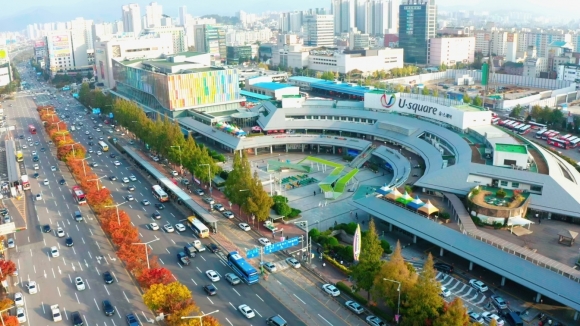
(79, 195)
(32, 129)
(560, 143)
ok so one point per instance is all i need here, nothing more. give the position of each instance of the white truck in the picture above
(198, 245)
(56, 316)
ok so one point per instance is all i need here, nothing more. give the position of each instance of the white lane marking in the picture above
(325, 320)
(296, 298)
(58, 291)
(263, 299)
(107, 289)
(194, 282)
(125, 296)
(237, 292)
(161, 261)
(115, 276)
(77, 298)
(97, 304)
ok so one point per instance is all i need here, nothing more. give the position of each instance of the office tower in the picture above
(81, 35)
(417, 24)
(154, 12)
(344, 15)
(211, 39)
(132, 18)
(319, 30)
(183, 15)
(175, 34)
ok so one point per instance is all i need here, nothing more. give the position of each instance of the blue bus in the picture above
(248, 273)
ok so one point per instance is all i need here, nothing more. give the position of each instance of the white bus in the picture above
(159, 193)
(539, 133)
(525, 129)
(494, 121)
(510, 124)
(575, 142)
(572, 139)
(566, 137)
(198, 227)
(104, 146)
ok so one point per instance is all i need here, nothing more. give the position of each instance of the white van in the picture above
(73, 128)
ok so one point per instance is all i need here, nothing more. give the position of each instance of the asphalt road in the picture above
(55, 276)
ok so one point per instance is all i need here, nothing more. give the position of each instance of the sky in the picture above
(17, 14)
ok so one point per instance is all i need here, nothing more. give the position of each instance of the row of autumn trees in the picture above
(420, 303)
(163, 294)
(8, 268)
(163, 136)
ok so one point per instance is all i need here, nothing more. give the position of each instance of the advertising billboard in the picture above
(356, 243)
(39, 44)
(3, 54)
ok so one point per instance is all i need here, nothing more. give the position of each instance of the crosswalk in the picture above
(462, 290)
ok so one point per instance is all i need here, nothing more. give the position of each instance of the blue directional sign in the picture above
(253, 253)
(281, 245)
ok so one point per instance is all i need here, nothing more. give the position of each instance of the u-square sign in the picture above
(460, 118)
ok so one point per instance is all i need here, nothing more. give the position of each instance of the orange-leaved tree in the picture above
(7, 267)
(152, 276)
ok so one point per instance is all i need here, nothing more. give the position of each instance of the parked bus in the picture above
(104, 146)
(495, 121)
(510, 124)
(575, 142)
(32, 129)
(572, 139)
(565, 137)
(540, 132)
(79, 195)
(536, 125)
(159, 193)
(517, 126)
(547, 134)
(525, 129)
(554, 134)
(198, 227)
(244, 270)
(503, 122)
(560, 143)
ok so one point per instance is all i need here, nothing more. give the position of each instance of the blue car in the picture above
(132, 320)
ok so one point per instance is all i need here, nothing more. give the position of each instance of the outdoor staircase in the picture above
(362, 157)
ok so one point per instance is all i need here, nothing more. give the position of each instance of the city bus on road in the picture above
(104, 146)
(159, 193)
(560, 143)
(32, 129)
(244, 270)
(79, 195)
(536, 125)
(524, 130)
(198, 227)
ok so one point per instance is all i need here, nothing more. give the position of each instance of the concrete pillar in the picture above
(271, 150)
(390, 227)
(503, 281)
(333, 149)
(576, 315)
(340, 132)
(302, 148)
(306, 131)
(470, 265)
(318, 149)
(441, 252)
(256, 151)
(538, 297)
(286, 148)
(414, 238)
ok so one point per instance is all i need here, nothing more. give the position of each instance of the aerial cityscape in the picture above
(342, 162)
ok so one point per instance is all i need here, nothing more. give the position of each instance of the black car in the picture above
(42, 149)
(112, 156)
(131, 188)
(156, 216)
(21, 136)
(210, 289)
(159, 206)
(112, 178)
(108, 308)
(213, 247)
(69, 242)
(108, 277)
(76, 319)
(91, 137)
(62, 181)
(443, 268)
(35, 175)
(46, 228)
(91, 143)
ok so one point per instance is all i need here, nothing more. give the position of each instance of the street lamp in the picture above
(84, 169)
(117, 207)
(146, 244)
(200, 317)
(1, 311)
(399, 301)
(208, 174)
(180, 165)
(97, 180)
(57, 125)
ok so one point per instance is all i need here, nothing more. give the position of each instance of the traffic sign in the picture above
(281, 245)
(253, 253)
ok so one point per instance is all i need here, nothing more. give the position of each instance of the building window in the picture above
(536, 188)
(503, 183)
(515, 184)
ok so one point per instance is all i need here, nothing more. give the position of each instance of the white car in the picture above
(53, 168)
(38, 197)
(32, 289)
(246, 311)
(228, 214)
(180, 227)
(99, 153)
(91, 151)
(218, 207)
(125, 180)
(475, 317)
(354, 307)
(117, 163)
(293, 262)
(375, 321)
(18, 299)
(168, 228)
(24, 146)
(36, 167)
(45, 182)
(488, 316)
(174, 173)
(133, 178)
(244, 226)
(20, 315)
(79, 284)
(130, 198)
(331, 289)
(478, 285)
(445, 292)
(264, 241)
(209, 200)
(60, 232)
(11, 243)
(54, 252)
(87, 132)
(154, 226)
(34, 153)
(213, 275)
(145, 202)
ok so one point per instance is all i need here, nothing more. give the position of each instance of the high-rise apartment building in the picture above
(451, 50)
(541, 40)
(211, 39)
(364, 15)
(319, 30)
(154, 12)
(60, 51)
(344, 12)
(417, 24)
(385, 17)
(175, 34)
(183, 15)
(132, 18)
(81, 34)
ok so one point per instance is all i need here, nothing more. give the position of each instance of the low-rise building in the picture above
(264, 86)
(238, 54)
(366, 61)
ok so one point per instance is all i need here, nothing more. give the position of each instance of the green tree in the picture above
(536, 112)
(327, 75)
(516, 111)
(443, 67)
(239, 180)
(423, 303)
(258, 202)
(454, 313)
(477, 101)
(435, 92)
(466, 98)
(425, 91)
(557, 117)
(369, 262)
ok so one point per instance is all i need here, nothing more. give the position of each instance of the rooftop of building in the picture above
(271, 85)
(255, 95)
(511, 148)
